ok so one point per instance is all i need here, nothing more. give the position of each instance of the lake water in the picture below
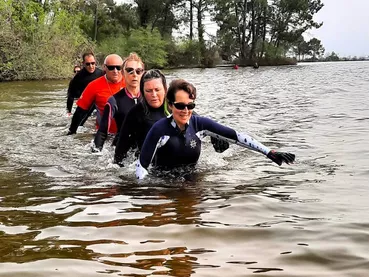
(67, 212)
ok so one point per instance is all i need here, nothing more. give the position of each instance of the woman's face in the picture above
(181, 117)
(132, 74)
(154, 92)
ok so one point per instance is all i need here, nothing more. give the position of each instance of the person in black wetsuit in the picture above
(82, 78)
(142, 117)
(175, 141)
(121, 103)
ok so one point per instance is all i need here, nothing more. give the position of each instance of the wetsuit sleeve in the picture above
(70, 97)
(125, 136)
(77, 118)
(109, 112)
(219, 131)
(219, 145)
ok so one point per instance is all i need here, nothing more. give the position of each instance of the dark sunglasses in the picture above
(131, 70)
(92, 63)
(75, 71)
(182, 106)
(112, 67)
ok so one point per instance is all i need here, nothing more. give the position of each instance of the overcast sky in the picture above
(345, 27)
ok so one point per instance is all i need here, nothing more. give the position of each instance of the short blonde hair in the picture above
(133, 57)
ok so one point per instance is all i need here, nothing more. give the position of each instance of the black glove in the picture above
(219, 145)
(280, 157)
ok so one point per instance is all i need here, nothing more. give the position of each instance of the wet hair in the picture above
(177, 85)
(133, 57)
(86, 54)
(148, 76)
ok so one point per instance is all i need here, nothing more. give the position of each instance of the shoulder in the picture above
(201, 119)
(99, 72)
(120, 94)
(162, 125)
(98, 82)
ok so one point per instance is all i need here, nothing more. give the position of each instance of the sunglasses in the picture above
(131, 70)
(182, 106)
(75, 71)
(112, 67)
(91, 63)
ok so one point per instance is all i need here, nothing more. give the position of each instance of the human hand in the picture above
(281, 157)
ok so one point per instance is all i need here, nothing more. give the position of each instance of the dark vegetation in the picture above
(43, 39)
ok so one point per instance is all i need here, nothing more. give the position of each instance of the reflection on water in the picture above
(67, 212)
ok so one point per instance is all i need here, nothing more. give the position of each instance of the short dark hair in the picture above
(177, 85)
(150, 75)
(86, 54)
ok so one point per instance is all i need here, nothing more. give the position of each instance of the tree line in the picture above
(43, 39)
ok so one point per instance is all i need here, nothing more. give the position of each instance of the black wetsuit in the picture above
(117, 107)
(79, 83)
(167, 147)
(137, 124)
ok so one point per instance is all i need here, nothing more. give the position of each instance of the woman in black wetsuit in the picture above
(142, 117)
(175, 141)
(122, 102)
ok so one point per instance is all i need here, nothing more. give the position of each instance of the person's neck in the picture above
(134, 91)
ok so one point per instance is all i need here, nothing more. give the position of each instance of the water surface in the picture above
(65, 211)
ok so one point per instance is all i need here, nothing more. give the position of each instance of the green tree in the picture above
(301, 48)
(332, 57)
(159, 14)
(316, 47)
(48, 38)
(289, 19)
(146, 42)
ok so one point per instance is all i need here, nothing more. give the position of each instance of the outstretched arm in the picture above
(219, 131)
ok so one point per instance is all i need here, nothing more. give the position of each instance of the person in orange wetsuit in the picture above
(98, 92)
